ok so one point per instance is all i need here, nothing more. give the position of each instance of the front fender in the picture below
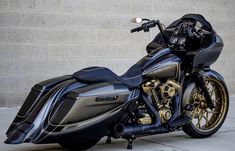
(191, 85)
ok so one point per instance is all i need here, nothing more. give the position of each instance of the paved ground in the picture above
(177, 141)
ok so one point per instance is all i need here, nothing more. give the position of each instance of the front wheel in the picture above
(79, 146)
(204, 121)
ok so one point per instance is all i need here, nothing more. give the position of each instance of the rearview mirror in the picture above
(137, 20)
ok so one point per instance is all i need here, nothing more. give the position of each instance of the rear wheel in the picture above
(79, 146)
(204, 121)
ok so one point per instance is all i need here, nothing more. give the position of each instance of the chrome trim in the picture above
(105, 90)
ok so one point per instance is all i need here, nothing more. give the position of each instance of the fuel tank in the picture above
(164, 64)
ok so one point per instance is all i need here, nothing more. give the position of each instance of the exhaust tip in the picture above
(119, 129)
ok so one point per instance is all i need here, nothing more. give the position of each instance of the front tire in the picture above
(205, 122)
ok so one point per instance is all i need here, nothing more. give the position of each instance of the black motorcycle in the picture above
(170, 89)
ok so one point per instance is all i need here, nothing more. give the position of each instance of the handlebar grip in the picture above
(136, 29)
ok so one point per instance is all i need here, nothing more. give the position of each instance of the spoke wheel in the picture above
(204, 121)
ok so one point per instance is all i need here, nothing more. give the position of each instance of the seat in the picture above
(132, 78)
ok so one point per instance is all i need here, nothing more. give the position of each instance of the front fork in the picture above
(198, 76)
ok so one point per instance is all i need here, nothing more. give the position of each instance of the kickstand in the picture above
(108, 140)
(129, 145)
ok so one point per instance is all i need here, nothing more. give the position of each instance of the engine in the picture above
(161, 94)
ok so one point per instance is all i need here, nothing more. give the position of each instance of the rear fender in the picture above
(71, 107)
(84, 110)
(34, 97)
(19, 132)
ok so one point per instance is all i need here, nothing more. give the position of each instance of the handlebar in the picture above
(136, 29)
(190, 31)
(151, 23)
(146, 26)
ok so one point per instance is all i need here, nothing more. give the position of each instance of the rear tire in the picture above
(79, 146)
(212, 122)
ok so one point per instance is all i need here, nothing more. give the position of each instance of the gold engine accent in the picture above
(149, 86)
(169, 89)
(165, 114)
(145, 120)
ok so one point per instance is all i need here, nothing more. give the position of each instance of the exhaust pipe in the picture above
(119, 130)
(126, 131)
(141, 130)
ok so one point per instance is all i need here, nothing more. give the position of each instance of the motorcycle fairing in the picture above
(193, 18)
(207, 56)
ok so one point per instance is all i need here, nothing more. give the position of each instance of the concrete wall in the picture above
(40, 39)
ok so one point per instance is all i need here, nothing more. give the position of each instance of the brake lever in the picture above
(200, 32)
(150, 24)
(146, 29)
(196, 34)
(190, 33)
